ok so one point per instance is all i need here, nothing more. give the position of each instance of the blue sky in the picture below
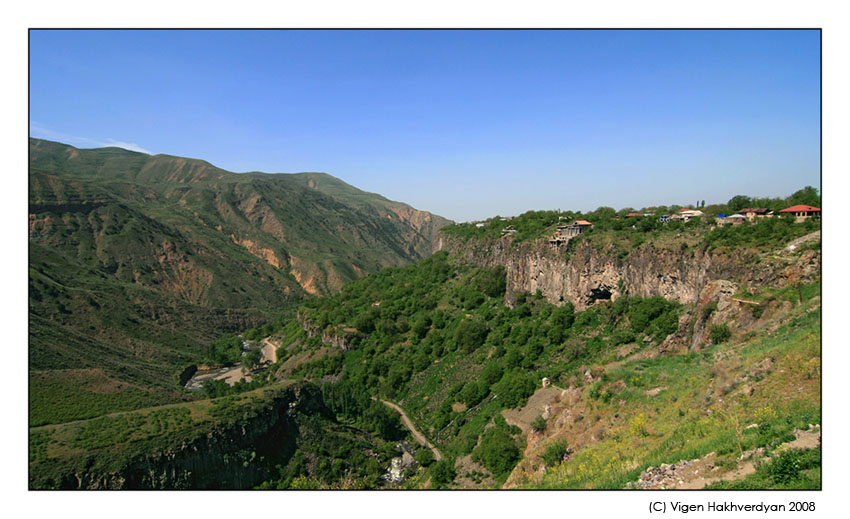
(467, 124)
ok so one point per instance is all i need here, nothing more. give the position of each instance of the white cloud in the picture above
(127, 146)
(39, 131)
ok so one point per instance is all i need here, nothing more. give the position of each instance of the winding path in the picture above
(416, 434)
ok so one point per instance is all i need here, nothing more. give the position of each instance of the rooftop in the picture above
(801, 208)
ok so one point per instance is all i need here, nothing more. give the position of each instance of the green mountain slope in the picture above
(515, 386)
(437, 339)
(138, 262)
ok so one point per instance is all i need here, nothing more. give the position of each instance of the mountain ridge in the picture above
(161, 178)
(159, 255)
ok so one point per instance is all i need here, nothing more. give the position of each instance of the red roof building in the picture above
(802, 211)
(583, 222)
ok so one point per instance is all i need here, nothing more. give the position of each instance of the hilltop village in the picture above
(563, 231)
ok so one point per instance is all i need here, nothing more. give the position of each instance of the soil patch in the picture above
(465, 468)
(536, 406)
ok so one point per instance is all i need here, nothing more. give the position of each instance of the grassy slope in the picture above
(704, 407)
(108, 443)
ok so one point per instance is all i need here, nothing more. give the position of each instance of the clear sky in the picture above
(466, 124)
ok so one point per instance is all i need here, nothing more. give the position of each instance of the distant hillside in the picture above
(138, 262)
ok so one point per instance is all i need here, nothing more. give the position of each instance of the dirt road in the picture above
(269, 351)
(233, 375)
(416, 434)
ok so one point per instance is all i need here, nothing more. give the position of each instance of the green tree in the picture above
(739, 202)
(473, 392)
(538, 424)
(514, 388)
(491, 373)
(365, 322)
(807, 196)
(442, 473)
(719, 333)
(555, 335)
(554, 453)
(424, 457)
(497, 451)
(493, 282)
(421, 325)
(523, 310)
(470, 335)
(532, 351)
(513, 357)
(252, 359)
(563, 316)
(646, 224)
(387, 327)
(603, 213)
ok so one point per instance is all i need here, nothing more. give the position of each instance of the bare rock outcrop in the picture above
(583, 274)
(339, 338)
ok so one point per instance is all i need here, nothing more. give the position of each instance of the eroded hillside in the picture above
(139, 262)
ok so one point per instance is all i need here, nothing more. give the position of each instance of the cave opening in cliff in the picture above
(599, 294)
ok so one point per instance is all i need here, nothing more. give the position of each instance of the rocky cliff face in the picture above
(584, 275)
(227, 457)
(339, 338)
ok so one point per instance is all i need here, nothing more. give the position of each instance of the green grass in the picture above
(109, 443)
(694, 415)
(766, 234)
(108, 431)
(795, 469)
(62, 396)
